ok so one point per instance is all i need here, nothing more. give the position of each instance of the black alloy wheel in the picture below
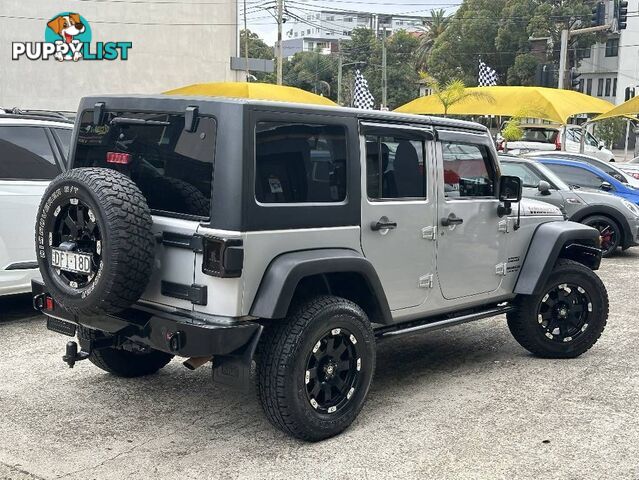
(609, 233)
(76, 230)
(332, 371)
(563, 312)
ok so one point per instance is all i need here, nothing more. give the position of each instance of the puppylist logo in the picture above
(67, 36)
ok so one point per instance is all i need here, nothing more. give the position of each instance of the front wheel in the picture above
(567, 318)
(315, 368)
(609, 232)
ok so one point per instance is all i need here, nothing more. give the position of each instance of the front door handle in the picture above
(451, 219)
(383, 224)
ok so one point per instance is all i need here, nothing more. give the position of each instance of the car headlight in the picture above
(631, 206)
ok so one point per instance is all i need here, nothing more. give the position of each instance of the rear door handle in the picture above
(451, 219)
(383, 224)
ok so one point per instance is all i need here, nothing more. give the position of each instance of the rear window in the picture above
(541, 135)
(172, 167)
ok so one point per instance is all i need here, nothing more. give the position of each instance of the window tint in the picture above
(529, 178)
(543, 135)
(172, 167)
(300, 163)
(25, 154)
(64, 137)
(395, 167)
(576, 176)
(467, 171)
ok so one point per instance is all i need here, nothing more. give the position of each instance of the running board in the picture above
(435, 323)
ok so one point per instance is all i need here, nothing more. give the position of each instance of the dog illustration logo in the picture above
(71, 29)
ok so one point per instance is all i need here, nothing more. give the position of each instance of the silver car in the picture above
(616, 218)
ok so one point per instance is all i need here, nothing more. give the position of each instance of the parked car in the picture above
(611, 168)
(550, 138)
(33, 150)
(584, 175)
(314, 242)
(617, 219)
(631, 168)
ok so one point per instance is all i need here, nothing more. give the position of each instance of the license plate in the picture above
(71, 261)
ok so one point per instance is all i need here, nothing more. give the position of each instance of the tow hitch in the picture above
(72, 354)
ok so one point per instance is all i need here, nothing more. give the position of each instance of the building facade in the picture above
(609, 68)
(146, 46)
(321, 31)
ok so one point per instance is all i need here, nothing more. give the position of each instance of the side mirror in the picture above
(605, 186)
(601, 145)
(510, 188)
(544, 187)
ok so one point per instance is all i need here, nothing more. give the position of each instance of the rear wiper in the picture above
(137, 121)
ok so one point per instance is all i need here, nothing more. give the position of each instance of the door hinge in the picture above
(426, 281)
(503, 226)
(500, 269)
(429, 233)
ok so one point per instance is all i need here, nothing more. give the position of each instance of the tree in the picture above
(453, 92)
(312, 71)
(524, 70)
(610, 130)
(434, 28)
(257, 48)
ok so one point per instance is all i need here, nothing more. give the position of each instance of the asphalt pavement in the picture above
(462, 403)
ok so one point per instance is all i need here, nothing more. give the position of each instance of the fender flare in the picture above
(611, 212)
(282, 276)
(551, 241)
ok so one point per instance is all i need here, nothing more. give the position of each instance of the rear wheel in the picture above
(567, 318)
(130, 360)
(316, 367)
(609, 231)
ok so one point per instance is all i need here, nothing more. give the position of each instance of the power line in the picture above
(107, 22)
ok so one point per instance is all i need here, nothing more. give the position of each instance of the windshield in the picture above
(532, 174)
(171, 166)
(552, 176)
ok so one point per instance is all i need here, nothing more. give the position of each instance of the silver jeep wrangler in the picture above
(236, 231)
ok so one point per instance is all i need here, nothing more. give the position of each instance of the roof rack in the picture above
(37, 114)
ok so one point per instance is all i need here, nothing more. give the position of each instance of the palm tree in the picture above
(430, 32)
(453, 92)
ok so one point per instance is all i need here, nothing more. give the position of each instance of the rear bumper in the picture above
(176, 333)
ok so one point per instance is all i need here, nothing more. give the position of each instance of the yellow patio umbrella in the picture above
(531, 102)
(631, 107)
(257, 91)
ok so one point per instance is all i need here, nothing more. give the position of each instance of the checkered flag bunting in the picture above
(487, 76)
(362, 97)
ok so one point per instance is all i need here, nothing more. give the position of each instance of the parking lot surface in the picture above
(463, 403)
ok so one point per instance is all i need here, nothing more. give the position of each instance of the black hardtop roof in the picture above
(153, 102)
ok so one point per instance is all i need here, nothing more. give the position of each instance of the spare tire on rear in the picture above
(94, 243)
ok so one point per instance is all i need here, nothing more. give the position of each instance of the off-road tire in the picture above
(524, 324)
(283, 352)
(120, 362)
(593, 220)
(127, 245)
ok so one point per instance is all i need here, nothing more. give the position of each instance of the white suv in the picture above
(33, 150)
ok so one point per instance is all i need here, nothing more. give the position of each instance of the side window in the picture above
(300, 163)
(528, 177)
(395, 167)
(576, 176)
(26, 154)
(468, 171)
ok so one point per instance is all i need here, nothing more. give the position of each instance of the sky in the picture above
(261, 21)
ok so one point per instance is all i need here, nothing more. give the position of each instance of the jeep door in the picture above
(398, 211)
(471, 240)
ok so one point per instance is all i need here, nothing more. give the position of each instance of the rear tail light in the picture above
(558, 142)
(48, 303)
(118, 158)
(223, 257)
(500, 146)
(635, 175)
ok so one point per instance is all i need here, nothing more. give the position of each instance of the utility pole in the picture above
(566, 35)
(340, 60)
(246, 44)
(384, 71)
(280, 21)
